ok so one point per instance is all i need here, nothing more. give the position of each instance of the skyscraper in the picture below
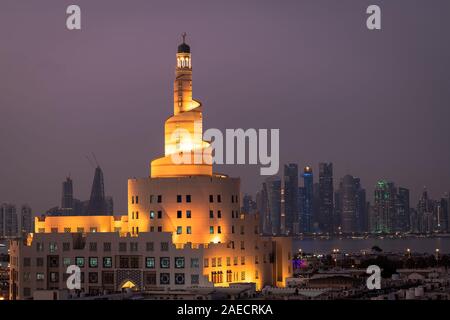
(384, 208)
(402, 218)
(97, 203)
(262, 205)
(274, 203)
(26, 219)
(67, 195)
(347, 192)
(307, 216)
(291, 197)
(326, 193)
(9, 221)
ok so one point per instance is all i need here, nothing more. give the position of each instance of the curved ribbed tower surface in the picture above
(185, 152)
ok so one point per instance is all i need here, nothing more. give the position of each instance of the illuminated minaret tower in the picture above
(185, 152)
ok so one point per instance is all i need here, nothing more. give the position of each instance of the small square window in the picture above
(149, 246)
(107, 262)
(194, 263)
(164, 246)
(93, 262)
(150, 262)
(179, 262)
(79, 261)
(164, 262)
(195, 279)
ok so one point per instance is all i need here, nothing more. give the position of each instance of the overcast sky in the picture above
(375, 103)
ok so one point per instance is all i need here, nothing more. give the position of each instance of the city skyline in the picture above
(86, 93)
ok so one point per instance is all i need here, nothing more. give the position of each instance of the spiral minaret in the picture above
(185, 152)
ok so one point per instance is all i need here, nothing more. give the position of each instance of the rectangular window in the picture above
(132, 199)
(211, 214)
(93, 262)
(159, 198)
(195, 279)
(107, 246)
(219, 214)
(80, 230)
(194, 263)
(219, 198)
(93, 246)
(188, 230)
(152, 229)
(133, 246)
(137, 214)
(164, 262)
(67, 262)
(228, 261)
(152, 214)
(150, 262)
(179, 262)
(122, 246)
(107, 262)
(151, 198)
(149, 246)
(179, 230)
(159, 214)
(159, 229)
(39, 262)
(219, 229)
(179, 214)
(219, 262)
(211, 198)
(213, 262)
(188, 198)
(39, 247)
(211, 230)
(137, 199)
(53, 246)
(164, 246)
(67, 230)
(188, 214)
(39, 276)
(242, 275)
(66, 246)
(243, 260)
(206, 263)
(179, 198)
(79, 261)
(134, 262)
(26, 262)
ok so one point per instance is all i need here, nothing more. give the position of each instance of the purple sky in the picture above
(375, 103)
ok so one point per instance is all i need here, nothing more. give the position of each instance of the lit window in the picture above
(107, 262)
(164, 262)
(179, 262)
(211, 214)
(150, 262)
(189, 230)
(53, 247)
(93, 262)
(179, 230)
(79, 261)
(219, 229)
(188, 214)
(67, 262)
(211, 230)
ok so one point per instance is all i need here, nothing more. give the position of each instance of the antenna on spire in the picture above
(93, 154)
(184, 37)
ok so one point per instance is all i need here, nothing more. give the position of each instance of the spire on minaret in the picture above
(184, 37)
(184, 48)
